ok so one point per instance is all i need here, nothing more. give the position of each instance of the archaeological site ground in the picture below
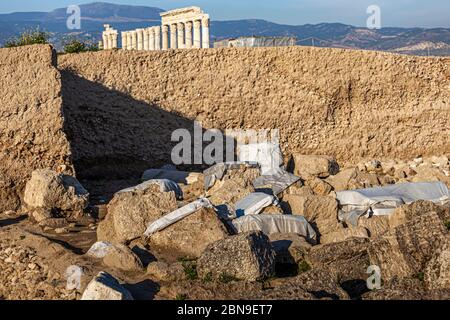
(355, 204)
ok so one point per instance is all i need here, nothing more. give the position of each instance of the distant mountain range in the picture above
(419, 41)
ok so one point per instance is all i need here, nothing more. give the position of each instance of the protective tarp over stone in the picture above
(384, 200)
(254, 203)
(277, 183)
(267, 155)
(165, 185)
(218, 171)
(176, 216)
(271, 224)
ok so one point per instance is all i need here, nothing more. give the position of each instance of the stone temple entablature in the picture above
(183, 28)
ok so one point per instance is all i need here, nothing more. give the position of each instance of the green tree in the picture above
(77, 46)
(29, 37)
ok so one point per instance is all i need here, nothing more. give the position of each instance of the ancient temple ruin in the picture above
(180, 29)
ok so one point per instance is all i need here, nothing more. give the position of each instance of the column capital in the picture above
(165, 28)
(197, 24)
(205, 22)
(189, 24)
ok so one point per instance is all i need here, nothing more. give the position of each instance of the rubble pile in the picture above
(288, 234)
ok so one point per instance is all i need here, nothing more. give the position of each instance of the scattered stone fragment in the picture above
(319, 186)
(343, 234)
(290, 248)
(437, 271)
(129, 213)
(190, 236)
(121, 257)
(405, 250)
(48, 189)
(320, 211)
(246, 256)
(105, 287)
(307, 166)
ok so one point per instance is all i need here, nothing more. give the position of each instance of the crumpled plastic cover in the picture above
(177, 215)
(384, 200)
(254, 203)
(165, 185)
(275, 223)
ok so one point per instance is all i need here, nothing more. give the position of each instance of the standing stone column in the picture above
(133, 40)
(188, 38)
(140, 39)
(130, 41)
(165, 37)
(114, 37)
(157, 38)
(105, 41)
(110, 41)
(146, 39)
(152, 38)
(197, 34)
(180, 30)
(205, 32)
(124, 41)
(173, 36)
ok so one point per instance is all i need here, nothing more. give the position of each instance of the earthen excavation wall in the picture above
(31, 121)
(349, 104)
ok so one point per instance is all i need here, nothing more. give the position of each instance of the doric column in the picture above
(109, 40)
(197, 34)
(188, 38)
(133, 40)
(173, 36)
(180, 30)
(105, 41)
(146, 39)
(152, 39)
(157, 38)
(205, 32)
(124, 40)
(130, 41)
(165, 37)
(140, 39)
(115, 36)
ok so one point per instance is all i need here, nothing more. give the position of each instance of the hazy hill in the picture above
(124, 17)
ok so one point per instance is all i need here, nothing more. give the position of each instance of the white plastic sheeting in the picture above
(277, 183)
(254, 203)
(384, 200)
(177, 215)
(165, 185)
(267, 155)
(270, 224)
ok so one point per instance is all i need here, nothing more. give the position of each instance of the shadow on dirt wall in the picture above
(114, 136)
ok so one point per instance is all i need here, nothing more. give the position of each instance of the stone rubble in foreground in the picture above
(202, 257)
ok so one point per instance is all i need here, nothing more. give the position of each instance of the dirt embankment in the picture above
(31, 120)
(112, 113)
(348, 104)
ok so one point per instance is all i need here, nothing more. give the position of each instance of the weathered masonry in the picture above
(184, 28)
(109, 37)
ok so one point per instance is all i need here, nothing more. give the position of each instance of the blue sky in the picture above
(395, 13)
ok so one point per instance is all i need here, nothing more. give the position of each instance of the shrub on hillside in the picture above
(28, 37)
(77, 46)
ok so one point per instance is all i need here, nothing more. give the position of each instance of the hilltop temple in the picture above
(183, 28)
